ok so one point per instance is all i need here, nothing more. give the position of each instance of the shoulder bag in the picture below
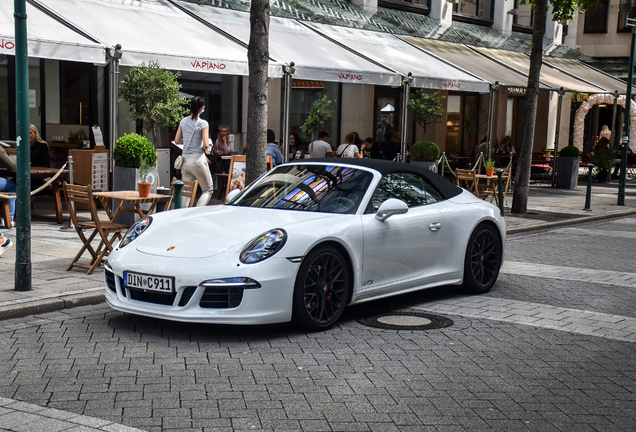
(178, 162)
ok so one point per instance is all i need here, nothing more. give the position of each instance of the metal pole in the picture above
(288, 71)
(614, 132)
(114, 96)
(178, 185)
(628, 105)
(556, 137)
(588, 194)
(500, 192)
(406, 82)
(23, 194)
(493, 100)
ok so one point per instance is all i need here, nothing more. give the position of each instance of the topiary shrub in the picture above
(131, 149)
(570, 151)
(425, 151)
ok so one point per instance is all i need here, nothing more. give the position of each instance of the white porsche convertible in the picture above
(305, 240)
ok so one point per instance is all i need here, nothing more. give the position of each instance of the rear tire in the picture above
(483, 259)
(322, 288)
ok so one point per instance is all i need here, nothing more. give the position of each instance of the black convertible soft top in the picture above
(444, 187)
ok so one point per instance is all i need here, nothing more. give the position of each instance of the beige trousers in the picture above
(195, 167)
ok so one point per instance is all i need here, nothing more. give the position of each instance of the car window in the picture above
(317, 188)
(410, 188)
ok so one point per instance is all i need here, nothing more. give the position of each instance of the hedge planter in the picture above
(567, 174)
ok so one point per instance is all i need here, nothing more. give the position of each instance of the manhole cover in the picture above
(406, 321)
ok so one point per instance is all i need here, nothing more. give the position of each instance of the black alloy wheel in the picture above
(322, 288)
(483, 259)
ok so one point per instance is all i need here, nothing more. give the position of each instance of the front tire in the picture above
(483, 259)
(322, 288)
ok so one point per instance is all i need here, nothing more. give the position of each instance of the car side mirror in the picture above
(233, 193)
(390, 207)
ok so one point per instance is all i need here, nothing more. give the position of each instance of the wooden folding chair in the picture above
(468, 180)
(189, 190)
(108, 232)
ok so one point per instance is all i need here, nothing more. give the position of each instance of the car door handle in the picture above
(435, 226)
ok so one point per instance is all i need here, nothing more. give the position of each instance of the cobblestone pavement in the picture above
(550, 348)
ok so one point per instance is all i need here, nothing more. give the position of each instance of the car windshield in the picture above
(308, 187)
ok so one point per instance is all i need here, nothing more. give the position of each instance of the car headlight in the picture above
(136, 230)
(263, 246)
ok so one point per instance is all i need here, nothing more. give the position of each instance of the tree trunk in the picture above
(522, 177)
(258, 59)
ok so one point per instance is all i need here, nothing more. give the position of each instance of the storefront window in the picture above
(474, 8)
(74, 93)
(304, 93)
(462, 127)
(7, 99)
(222, 95)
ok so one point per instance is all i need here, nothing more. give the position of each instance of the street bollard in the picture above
(500, 195)
(588, 195)
(178, 184)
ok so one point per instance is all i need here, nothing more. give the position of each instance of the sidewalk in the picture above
(53, 248)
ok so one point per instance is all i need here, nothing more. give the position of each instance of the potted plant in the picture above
(145, 168)
(567, 174)
(604, 163)
(425, 153)
(490, 167)
(426, 107)
(74, 137)
(130, 150)
(154, 97)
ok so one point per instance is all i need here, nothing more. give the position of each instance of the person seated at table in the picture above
(39, 149)
(320, 147)
(349, 149)
(391, 144)
(507, 147)
(7, 185)
(296, 148)
(272, 148)
(222, 147)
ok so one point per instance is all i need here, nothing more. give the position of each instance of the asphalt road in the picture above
(550, 348)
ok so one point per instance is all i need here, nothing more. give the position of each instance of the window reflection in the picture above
(318, 188)
(408, 187)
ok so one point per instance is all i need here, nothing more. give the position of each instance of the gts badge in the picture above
(366, 283)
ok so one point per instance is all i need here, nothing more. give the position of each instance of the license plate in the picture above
(163, 284)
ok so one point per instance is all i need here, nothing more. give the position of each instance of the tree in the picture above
(562, 10)
(426, 107)
(153, 95)
(258, 59)
(320, 112)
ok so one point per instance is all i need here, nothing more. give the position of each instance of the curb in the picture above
(50, 305)
(574, 221)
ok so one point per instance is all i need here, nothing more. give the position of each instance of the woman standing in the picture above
(194, 134)
(39, 149)
(222, 146)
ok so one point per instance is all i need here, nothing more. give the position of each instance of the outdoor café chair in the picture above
(82, 196)
(189, 190)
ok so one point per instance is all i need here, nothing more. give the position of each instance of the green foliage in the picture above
(570, 151)
(426, 107)
(145, 166)
(153, 95)
(604, 159)
(564, 10)
(489, 164)
(78, 133)
(320, 111)
(132, 149)
(425, 151)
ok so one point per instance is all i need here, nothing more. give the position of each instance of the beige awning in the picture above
(587, 73)
(469, 60)
(549, 76)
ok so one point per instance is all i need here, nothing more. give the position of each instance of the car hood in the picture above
(207, 231)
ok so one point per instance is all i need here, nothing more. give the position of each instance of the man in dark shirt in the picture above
(391, 145)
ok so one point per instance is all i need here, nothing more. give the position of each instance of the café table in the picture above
(129, 197)
(43, 173)
(491, 186)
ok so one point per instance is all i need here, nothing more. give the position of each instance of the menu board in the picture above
(100, 171)
(236, 176)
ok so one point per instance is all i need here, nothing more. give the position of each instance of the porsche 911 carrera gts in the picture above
(305, 240)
